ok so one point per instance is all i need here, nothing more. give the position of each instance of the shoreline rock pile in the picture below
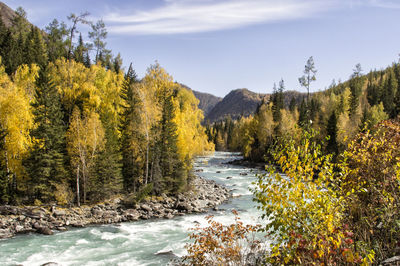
(14, 220)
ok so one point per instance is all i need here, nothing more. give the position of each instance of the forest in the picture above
(332, 190)
(76, 129)
(337, 113)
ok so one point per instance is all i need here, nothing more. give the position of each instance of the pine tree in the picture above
(98, 36)
(133, 158)
(355, 88)
(389, 94)
(172, 170)
(86, 59)
(46, 163)
(79, 53)
(309, 76)
(331, 130)
(292, 104)
(107, 177)
(56, 40)
(303, 114)
(35, 47)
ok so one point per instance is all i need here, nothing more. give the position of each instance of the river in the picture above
(151, 242)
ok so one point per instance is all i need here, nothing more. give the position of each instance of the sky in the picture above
(216, 46)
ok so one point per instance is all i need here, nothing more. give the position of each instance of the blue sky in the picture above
(216, 46)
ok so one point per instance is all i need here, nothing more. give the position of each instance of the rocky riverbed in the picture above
(44, 220)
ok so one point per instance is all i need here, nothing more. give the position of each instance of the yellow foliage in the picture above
(192, 139)
(16, 119)
(25, 77)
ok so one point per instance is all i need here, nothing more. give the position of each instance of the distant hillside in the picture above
(207, 101)
(7, 14)
(244, 102)
(237, 103)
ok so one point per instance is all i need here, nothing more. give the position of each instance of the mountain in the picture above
(244, 102)
(237, 103)
(207, 101)
(7, 14)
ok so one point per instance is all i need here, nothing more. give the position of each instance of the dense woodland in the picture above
(74, 128)
(332, 194)
(337, 114)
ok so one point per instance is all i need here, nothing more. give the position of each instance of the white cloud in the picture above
(191, 16)
(385, 4)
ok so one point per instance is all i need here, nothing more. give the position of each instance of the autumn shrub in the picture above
(370, 185)
(303, 208)
(219, 244)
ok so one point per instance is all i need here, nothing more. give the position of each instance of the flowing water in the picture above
(151, 242)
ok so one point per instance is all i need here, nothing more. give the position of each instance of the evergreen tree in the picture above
(278, 104)
(11, 53)
(20, 23)
(172, 170)
(79, 53)
(292, 104)
(277, 101)
(107, 177)
(355, 89)
(47, 159)
(389, 94)
(35, 48)
(133, 163)
(303, 114)
(98, 36)
(75, 19)
(373, 93)
(56, 40)
(86, 59)
(309, 76)
(331, 130)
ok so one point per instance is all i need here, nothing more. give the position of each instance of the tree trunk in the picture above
(77, 187)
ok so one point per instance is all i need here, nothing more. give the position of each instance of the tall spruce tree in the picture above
(56, 40)
(133, 162)
(355, 89)
(79, 53)
(389, 94)
(35, 48)
(332, 131)
(107, 177)
(172, 168)
(46, 163)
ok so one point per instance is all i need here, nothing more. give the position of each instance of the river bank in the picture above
(205, 194)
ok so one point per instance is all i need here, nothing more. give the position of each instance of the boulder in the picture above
(184, 206)
(59, 213)
(44, 230)
(145, 207)
(5, 233)
(131, 214)
(19, 228)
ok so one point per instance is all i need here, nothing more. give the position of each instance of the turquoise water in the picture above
(151, 242)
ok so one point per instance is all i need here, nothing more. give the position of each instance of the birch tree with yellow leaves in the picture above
(16, 120)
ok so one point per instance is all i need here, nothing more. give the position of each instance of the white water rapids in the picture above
(151, 242)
